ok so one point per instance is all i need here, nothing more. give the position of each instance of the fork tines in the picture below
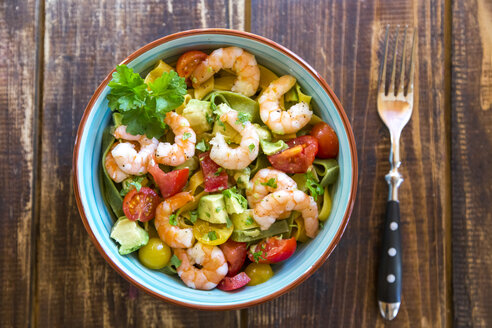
(401, 84)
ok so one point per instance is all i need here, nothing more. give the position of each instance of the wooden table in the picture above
(55, 53)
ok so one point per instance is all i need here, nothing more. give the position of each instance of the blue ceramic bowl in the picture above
(308, 257)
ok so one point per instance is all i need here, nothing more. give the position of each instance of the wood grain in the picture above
(342, 40)
(84, 40)
(471, 154)
(17, 172)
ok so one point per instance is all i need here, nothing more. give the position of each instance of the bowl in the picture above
(98, 221)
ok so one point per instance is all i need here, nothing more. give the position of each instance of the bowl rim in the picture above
(310, 70)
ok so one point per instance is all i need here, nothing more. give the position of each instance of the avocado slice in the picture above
(270, 148)
(234, 201)
(242, 177)
(211, 208)
(263, 132)
(199, 114)
(244, 221)
(129, 235)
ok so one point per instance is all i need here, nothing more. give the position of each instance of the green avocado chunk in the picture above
(263, 132)
(244, 221)
(242, 177)
(199, 114)
(211, 208)
(277, 228)
(129, 235)
(234, 201)
(270, 148)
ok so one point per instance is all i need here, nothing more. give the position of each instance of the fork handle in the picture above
(389, 273)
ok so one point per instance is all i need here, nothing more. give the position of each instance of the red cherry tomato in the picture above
(188, 62)
(273, 250)
(140, 205)
(215, 177)
(327, 139)
(298, 157)
(232, 283)
(169, 183)
(235, 254)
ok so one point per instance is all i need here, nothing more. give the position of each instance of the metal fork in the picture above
(395, 109)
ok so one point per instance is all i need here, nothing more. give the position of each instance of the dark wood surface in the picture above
(57, 52)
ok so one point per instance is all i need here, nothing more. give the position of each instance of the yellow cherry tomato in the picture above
(211, 234)
(155, 255)
(258, 273)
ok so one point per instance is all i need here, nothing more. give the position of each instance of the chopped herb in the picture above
(229, 222)
(321, 225)
(242, 118)
(219, 170)
(193, 216)
(202, 145)
(210, 118)
(221, 124)
(271, 183)
(132, 183)
(208, 214)
(212, 235)
(186, 135)
(233, 193)
(251, 147)
(260, 255)
(175, 262)
(249, 220)
(314, 188)
(172, 220)
(218, 209)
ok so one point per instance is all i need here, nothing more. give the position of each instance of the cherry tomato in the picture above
(235, 254)
(188, 62)
(169, 183)
(210, 233)
(258, 273)
(327, 139)
(155, 255)
(298, 157)
(273, 250)
(232, 283)
(140, 205)
(215, 177)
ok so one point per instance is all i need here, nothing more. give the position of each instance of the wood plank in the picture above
(471, 147)
(343, 41)
(17, 135)
(84, 40)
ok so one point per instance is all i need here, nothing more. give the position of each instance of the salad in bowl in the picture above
(215, 167)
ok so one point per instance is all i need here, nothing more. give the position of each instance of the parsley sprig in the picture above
(272, 182)
(314, 188)
(143, 106)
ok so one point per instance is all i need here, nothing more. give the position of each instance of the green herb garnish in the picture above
(193, 216)
(270, 183)
(144, 107)
(172, 220)
(175, 262)
(202, 145)
(186, 135)
(212, 235)
(131, 183)
(249, 220)
(219, 170)
(251, 147)
(314, 188)
(242, 118)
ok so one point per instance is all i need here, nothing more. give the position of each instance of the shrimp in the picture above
(241, 62)
(185, 140)
(127, 158)
(112, 168)
(278, 202)
(267, 181)
(282, 122)
(240, 157)
(170, 234)
(202, 266)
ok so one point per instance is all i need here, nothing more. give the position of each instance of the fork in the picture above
(395, 109)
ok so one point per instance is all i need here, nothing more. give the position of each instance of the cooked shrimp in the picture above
(241, 62)
(276, 203)
(184, 142)
(202, 266)
(172, 235)
(267, 181)
(113, 169)
(279, 121)
(128, 159)
(240, 157)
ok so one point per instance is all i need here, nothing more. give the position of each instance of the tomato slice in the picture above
(235, 254)
(273, 250)
(169, 183)
(327, 140)
(188, 62)
(215, 177)
(298, 157)
(140, 205)
(232, 283)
